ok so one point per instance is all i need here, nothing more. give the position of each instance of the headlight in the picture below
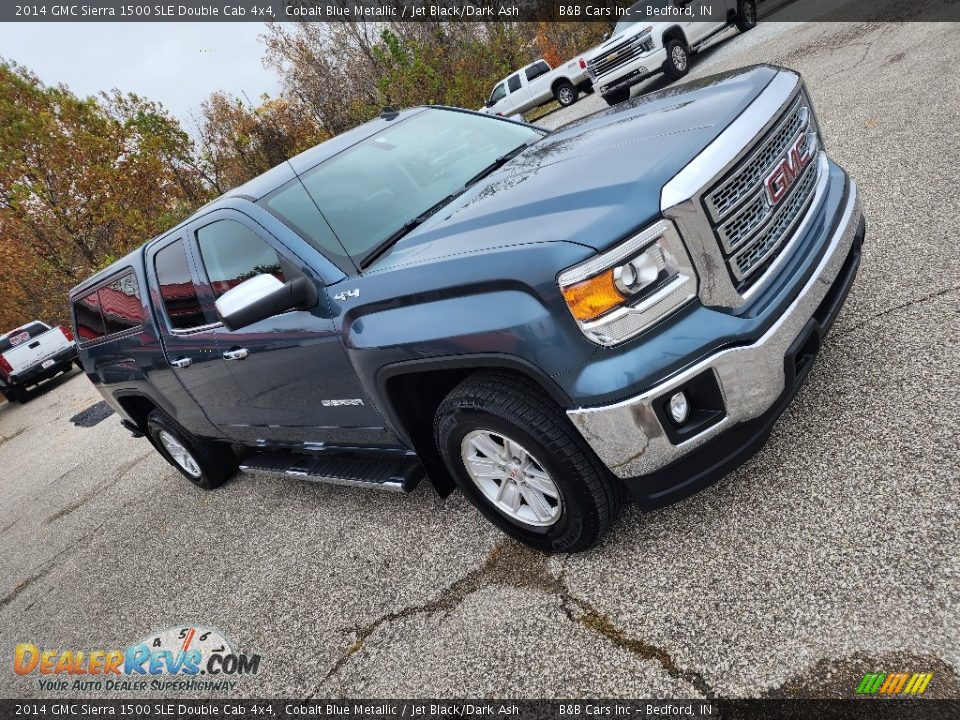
(624, 291)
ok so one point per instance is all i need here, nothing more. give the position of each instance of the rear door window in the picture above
(536, 70)
(513, 82)
(177, 289)
(232, 253)
(120, 304)
(90, 325)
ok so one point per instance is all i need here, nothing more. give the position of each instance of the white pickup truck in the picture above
(640, 48)
(31, 354)
(537, 84)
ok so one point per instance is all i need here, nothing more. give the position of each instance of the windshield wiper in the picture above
(407, 227)
(412, 223)
(496, 164)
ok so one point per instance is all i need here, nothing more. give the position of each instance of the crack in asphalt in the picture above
(512, 564)
(5, 438)
(124, 469)
(847, 68)
(897, 308)
(49, 565)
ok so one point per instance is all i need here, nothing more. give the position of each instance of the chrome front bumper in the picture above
(629, 437)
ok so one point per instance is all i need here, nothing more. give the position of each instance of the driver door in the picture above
(290, 369)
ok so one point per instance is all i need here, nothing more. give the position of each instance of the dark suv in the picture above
(543, 320)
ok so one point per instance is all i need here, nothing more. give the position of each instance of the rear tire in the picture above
(747, 15)
(565, 93)
(18, 394)
(205, 463)
(515, 455)
(677, 63)
(617, 96)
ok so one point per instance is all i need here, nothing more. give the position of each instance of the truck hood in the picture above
(593, 182)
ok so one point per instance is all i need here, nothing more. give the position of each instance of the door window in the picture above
(89, 321)
(120, 304)
(536, 70)
(513, 82)
(232, 253)
(177, 289)
(498, 94)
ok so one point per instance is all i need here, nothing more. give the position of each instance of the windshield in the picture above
(371, 190)
(638, 12)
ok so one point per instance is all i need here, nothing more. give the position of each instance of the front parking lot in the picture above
(833, 552)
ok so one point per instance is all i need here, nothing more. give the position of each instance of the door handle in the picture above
(181, 362)
(236, 354)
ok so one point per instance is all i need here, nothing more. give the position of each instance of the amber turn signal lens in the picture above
(593, 297)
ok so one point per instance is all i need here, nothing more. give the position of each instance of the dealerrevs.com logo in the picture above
(180, 658)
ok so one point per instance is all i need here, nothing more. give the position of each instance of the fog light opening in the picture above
(679, 408)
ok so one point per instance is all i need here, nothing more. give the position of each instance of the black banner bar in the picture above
(602, 11)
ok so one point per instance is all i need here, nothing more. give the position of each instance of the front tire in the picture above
(747, 15)
(205, 463)
(677, 63)
(515, 455)
(565, 93)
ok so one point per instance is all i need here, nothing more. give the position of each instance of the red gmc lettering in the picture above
(783, 176)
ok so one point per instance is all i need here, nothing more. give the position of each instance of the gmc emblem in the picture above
(780, 180)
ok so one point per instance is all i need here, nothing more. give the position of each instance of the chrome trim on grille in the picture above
(733, 143)
(621, 54)
(714, 241)
(747, 179)
(770, 238)
(751, 229)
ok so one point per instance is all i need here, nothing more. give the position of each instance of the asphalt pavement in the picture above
(832, 553)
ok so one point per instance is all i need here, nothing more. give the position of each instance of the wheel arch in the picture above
(137, 407)
(560, 81)
(674, 32)
(412, 390)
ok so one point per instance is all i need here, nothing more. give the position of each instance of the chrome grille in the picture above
(620, 55)
(749, 228)
(749, 175)
(752, 257)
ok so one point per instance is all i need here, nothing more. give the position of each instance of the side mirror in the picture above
(488, 103)
(606, 36)
(263, 296)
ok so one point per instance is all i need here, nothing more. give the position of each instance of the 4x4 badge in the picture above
(347, 294)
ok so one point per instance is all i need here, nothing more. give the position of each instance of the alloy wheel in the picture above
(180, 454)
(511, 478)
(679, 57)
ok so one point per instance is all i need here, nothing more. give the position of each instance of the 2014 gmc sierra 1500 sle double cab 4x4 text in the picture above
(545, 320)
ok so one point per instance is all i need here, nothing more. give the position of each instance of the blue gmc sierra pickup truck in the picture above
(546, 321)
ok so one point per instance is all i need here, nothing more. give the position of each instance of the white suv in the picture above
(639, 49)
